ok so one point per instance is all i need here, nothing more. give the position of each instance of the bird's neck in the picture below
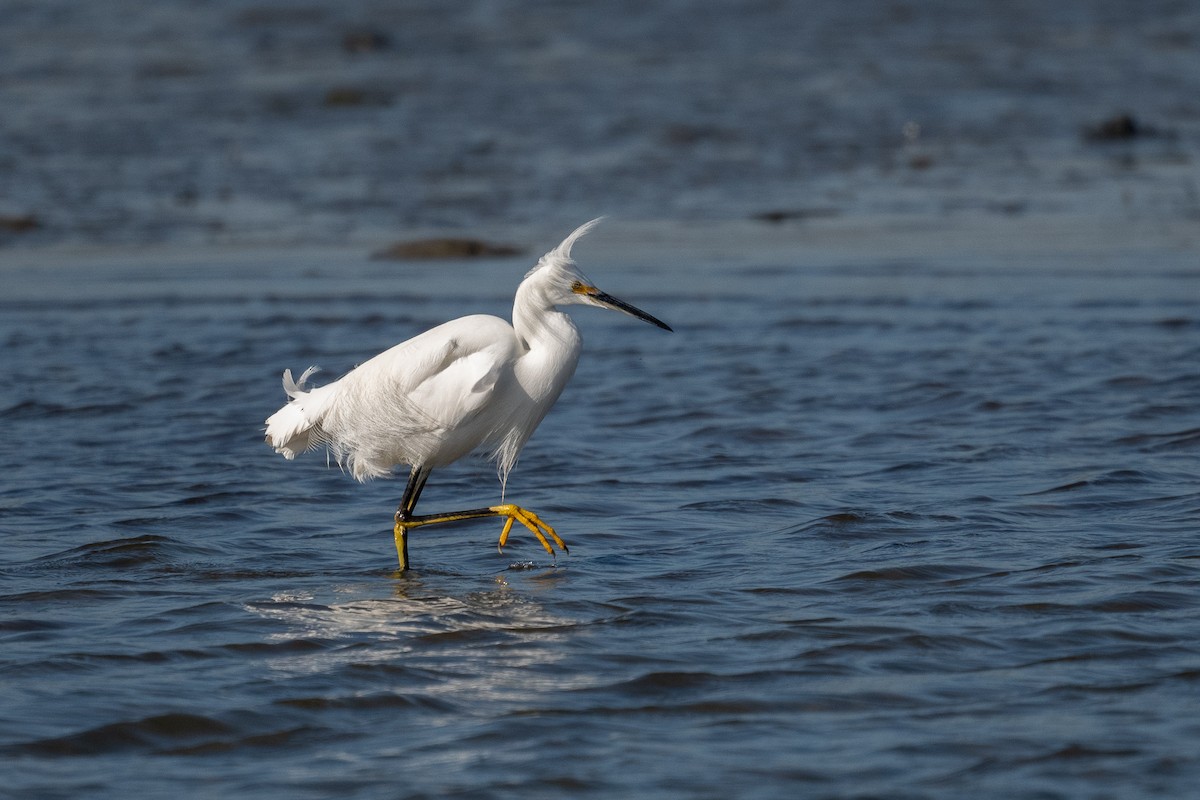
(548, 336)
(539, 325)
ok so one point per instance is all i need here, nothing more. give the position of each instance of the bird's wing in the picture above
(422, 401)
(461, 386)
(438, 379)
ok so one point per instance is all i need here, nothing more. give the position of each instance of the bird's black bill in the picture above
(620, 305)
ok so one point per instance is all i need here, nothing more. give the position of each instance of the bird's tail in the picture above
(296, 427)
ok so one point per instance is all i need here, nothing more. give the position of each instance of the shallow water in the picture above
(868, 527)
(906, 507)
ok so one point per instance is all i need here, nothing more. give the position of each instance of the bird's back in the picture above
(429, 400)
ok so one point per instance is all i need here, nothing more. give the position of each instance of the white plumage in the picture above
(474, 383)
(416, 403)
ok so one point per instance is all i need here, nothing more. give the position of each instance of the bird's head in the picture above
(558, 279)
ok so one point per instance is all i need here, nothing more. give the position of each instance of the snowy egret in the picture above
(471, 383)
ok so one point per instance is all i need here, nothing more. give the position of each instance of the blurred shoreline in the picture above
(964, 243)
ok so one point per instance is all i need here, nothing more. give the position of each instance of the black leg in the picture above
(412, 493)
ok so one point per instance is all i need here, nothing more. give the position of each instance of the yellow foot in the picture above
(531, 521)
(401, 536)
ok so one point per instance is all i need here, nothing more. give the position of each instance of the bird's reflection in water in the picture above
(496, 643)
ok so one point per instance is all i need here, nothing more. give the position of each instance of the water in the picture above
(863, 527)
(906, 507)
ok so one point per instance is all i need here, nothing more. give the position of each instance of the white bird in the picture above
(471, 383)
